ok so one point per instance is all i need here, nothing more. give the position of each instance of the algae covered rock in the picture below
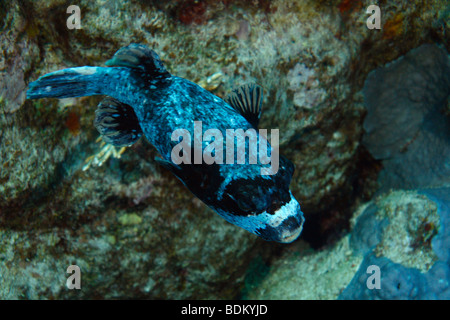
(156, 242)
(307, 275)
(403, 233)
(412, 256)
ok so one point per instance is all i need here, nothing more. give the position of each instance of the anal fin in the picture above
(247, 100)
(175, 169)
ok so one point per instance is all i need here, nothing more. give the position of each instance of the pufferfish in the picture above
(143, 98)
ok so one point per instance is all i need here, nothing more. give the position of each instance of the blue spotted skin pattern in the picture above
(261, 204)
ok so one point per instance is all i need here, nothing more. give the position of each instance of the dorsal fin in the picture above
(117, 122)
(247, 100)
(138, 56)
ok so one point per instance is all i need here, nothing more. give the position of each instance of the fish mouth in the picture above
(285, 226)
(291, 235)
(292, 226)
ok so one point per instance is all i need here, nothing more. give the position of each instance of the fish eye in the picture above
(243, 205)
(274, 204)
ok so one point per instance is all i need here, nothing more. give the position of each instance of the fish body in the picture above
(143, 98)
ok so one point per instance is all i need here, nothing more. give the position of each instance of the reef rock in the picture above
(406, 126)
(131, 227)
(133, 232)
(403, 233)
(413, 253)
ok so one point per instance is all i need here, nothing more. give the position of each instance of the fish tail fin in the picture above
(68, 83)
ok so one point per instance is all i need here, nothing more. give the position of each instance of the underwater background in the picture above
(364, 115)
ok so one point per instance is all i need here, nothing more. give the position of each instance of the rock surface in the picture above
(404, 233)
(406, 120)
(133, 229)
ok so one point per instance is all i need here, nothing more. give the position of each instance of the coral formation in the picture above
(303, 82)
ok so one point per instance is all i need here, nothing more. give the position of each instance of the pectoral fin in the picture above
(117, 123)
